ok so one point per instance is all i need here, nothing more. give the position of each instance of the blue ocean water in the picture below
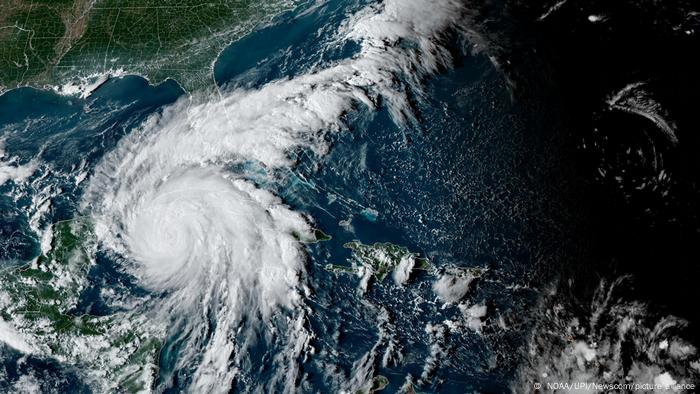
(451, 185)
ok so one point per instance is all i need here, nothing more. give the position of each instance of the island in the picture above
(381, 259)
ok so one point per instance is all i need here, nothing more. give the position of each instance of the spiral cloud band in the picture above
(221, 250)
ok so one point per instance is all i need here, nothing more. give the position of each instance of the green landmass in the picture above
(340, 269)
(380, 258)
(39, 300)
(317, 236)
(47, 42)
(378, 383)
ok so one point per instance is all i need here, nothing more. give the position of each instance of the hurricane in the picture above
(180, 199)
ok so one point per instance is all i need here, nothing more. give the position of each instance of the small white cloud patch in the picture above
(403, 271)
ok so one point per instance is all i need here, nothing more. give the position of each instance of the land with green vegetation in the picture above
(378, 383)
(315, 236)
(380, 258)
(48, 42)
(40, 301)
